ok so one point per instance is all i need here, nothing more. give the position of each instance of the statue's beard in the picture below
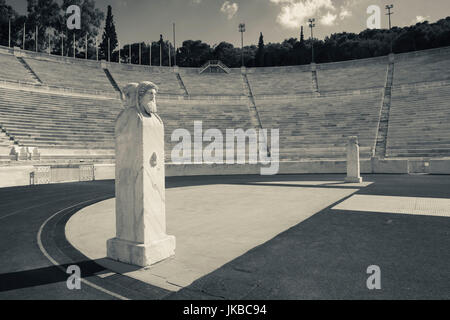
(150, 107)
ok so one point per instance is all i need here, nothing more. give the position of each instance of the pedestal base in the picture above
(354, 179)
(140, 254)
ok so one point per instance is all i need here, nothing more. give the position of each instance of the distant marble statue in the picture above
(141, 237)
(13, 154)
(35, 155)
(353, 166)
(24, 153)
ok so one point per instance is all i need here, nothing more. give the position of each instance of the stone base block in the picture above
(354, 179)
(140, 254)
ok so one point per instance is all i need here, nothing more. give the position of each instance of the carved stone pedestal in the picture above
(353, 166)
(141, 237)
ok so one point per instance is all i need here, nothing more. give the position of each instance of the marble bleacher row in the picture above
(310, 127)
(163, 77)
(63, 122)
(5, 146)
(5, 142)
(74, 74)
(282, 80)
(318, 127)
(11, 69)
(351, 75)
(230, 84)
(419, 123)
(413, 67)
(54, 121)
(422, 66)
(221, 115)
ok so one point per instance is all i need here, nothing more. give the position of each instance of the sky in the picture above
(213, 21)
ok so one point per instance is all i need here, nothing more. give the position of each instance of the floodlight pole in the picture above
(242, 30)
(170, 62)
(160, 49)
(174, 47)
(312, 25)
(9, 33)
(150, 54)
(388, 8)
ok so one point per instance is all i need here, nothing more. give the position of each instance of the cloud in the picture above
(229, 9)
(196, 1)
(345, 13)
(421, 19)
(295, 13)
(328, 19)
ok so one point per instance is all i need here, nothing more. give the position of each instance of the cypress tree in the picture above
(109, 32)
(302, 37)
(260, 52)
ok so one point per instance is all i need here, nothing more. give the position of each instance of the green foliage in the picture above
(260, 53)
(302, 36)
(196, 53)
(145, 53)
(108, 33)
(43, 14)
(336, 47)
(7, 13)
(51, 21)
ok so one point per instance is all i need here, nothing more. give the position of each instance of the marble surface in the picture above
(140, 190)
(353, 166)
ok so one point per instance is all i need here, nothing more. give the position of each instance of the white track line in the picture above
(28, 208)
(41, 247)
(31, 207)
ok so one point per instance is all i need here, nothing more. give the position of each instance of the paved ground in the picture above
(213, 225)
(323, 257)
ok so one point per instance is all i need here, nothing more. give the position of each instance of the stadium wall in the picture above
(26, 173)
(281, 69)
(45, 174)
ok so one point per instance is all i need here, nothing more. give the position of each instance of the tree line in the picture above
(336, 47)
(50, 19)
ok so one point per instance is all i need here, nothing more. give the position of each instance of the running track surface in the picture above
(324, 257)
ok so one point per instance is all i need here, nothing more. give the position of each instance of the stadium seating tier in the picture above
(419, 122)
(312, 126)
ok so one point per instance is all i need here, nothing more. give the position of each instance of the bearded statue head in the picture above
(146, 97)
(142, 96)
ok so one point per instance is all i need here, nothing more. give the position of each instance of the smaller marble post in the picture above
(353, 167)
(141, 237)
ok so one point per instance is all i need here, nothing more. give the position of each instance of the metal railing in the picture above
(214, 63)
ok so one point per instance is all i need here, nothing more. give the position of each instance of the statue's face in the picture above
(148, 101)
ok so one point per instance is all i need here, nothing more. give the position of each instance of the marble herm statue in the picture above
(353, 166)
(141, 237)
